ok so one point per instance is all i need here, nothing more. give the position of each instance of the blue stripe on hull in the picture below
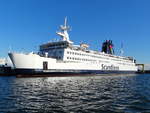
(34, 72)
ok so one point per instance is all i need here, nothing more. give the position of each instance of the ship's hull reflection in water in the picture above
(115, 93)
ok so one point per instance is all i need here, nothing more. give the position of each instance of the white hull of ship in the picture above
(33, 64)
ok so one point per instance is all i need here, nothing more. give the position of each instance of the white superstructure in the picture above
(65, 57)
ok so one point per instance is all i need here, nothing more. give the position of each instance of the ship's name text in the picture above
(111, 67)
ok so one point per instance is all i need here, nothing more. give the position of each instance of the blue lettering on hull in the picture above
(111, 67)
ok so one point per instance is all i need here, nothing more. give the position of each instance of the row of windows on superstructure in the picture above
(74, 53)
(115, 59)
(81, 54)
(128, 64)
(80, 59)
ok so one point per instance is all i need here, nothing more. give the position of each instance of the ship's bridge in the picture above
(55, 45)
(54, 49)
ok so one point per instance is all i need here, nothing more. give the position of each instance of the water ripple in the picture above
(88, 94)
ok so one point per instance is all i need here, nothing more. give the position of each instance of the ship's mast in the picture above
(63, 33)
(65, 22)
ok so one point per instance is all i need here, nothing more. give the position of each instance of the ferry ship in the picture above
(64, 57)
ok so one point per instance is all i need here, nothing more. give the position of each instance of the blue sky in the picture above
(25, 24)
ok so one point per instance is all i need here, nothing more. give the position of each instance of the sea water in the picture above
(76, 94)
